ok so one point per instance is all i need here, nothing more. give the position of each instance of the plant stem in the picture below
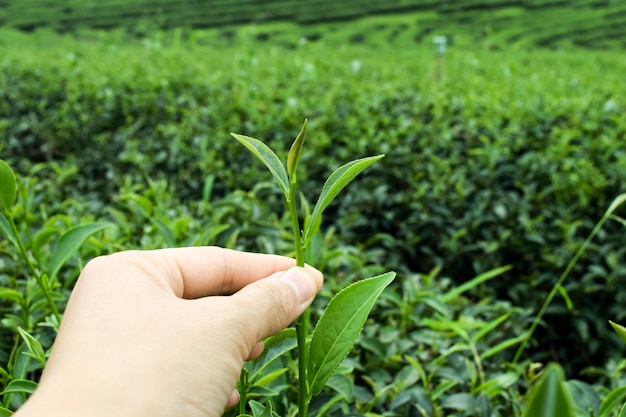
(38, 276)
(302, 323)
(303, 387)
(295, 224)
(243, 391)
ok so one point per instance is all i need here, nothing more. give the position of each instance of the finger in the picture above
(256, 351)
(267, 306)
(202, 271)
(234, 399)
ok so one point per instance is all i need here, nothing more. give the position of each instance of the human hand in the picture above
(165, 333)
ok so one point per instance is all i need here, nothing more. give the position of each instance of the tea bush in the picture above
(493, 159)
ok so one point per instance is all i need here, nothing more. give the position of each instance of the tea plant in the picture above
(320, 353)
(34, 287)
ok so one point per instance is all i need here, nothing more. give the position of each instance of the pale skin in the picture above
(165, 333)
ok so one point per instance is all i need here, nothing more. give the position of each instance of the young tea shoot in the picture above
(336, 332)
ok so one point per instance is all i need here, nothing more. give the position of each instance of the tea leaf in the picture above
(612, 400)
(5, 227)
(337, 181)
(5, 412)
(585, 397)
(275, 347)
(490, 326)
(260, 410)
(339, 327)
(618, 201)
(619, 329)
(269, 158)
(8, 186)
(568, 301)
(502, 346)
(486, 276)
(69, 243)
(550, 397)
(294, 153)
(267, 378)
(12, 295)
(461, 401)
(21, 386)
(35, 348)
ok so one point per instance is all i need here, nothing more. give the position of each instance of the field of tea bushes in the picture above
(501, 156)
(584, 23)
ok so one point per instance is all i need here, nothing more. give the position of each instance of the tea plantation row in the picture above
(587, 23)
(492, 159)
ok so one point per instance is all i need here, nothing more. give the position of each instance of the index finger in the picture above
(196, 272)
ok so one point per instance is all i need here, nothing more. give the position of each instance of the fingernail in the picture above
(301, 283)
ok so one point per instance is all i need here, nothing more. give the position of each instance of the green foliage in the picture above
(269, 158)
(339, 326)
(620, 330)
(7, 185)
(333, 186)
(550, 397)
(497, 23)
(511, 158)
(69, 243)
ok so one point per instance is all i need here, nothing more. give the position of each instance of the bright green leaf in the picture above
(565, 295)
(260, 410)
(275, 347)
(8, 186)
(490, 326)
(442, 388)
(340, 326)
(611, 401)
(456, 291)
(35, 348)
(502, 346)
(69, 244)
(42, 237)
(12, 295)
(337, 181)
(7, 230)
(5, 412)
(20, 386)
(497, 384)
(267, 378)
(294, 153)
(618, 201)
(550, 397)
(619, 329)
(269, 158)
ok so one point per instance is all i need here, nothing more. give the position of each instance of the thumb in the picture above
(267, 306)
